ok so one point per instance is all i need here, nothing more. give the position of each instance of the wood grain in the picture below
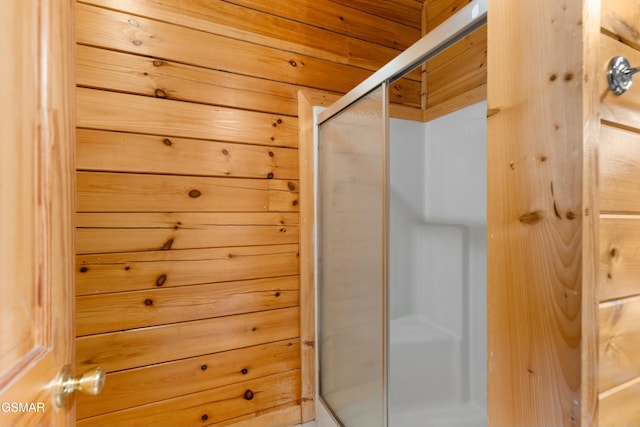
(619, 342)
(118, 31)
(621, 408)
(172, 379)
(99, 109)
(535, 205)
(146, 346)
(121, 152)
(619, 257)
(438, 11)
(263, 28)
(619, 171)
(279, 416)
(138, 309)
(622, 18)
(122, 272)
(340, 19)
(122, 72)
(406, 13)
(133, 232)
(209, 406)
(107, 192)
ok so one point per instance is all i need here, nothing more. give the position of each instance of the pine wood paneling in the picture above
(171, 379)
(457, 77)
(619, 342)
(118, 31)
(457, 70)
(209, 406)
(123, 72)
(281, 416)
(121, 152)
(439, 11)
(149, 270)
(243, 23)
(106, 240)
(619, 408)
(123, 112)
(622, 18)
(140, 347)
(619, 257)
(153, 307)
(619, 364)
(109, 192)
(340, 19)
(406, 13)
(619, 170)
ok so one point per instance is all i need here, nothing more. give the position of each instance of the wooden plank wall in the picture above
(188, 201)
(457, 77)
(619, 282)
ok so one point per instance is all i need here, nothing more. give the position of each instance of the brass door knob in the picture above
(90, 382)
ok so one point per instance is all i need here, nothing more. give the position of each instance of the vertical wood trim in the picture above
(307, 264)
(535, 212)
(590, 227)
(306, 101)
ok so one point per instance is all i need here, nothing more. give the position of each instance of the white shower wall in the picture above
(438, 260)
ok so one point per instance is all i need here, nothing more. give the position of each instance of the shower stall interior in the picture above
(401, 254)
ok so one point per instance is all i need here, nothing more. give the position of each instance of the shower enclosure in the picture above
(402, 254)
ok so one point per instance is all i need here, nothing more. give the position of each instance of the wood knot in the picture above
(204, 367)
(531, 218)
(161, 280)
(167, 142)
(148, 302)
(270, 175)
(271, 154)
(613, 252)
(568, 77)
(160, 93)
(137, 42)
(291, 186)
(167, 245)
(244, 371)
(553, 77)
(293, 63)
(205, 417)
(225, 152)
(194, 194)
(158, 63)
(570, 216)
(133, 23)
(492, 112)
(84, 269)
(279, 121)
(248, 395)
(294, 203)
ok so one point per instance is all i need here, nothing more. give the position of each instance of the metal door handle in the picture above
(620, 75)
(90, 382)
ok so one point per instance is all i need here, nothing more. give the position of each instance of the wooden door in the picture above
(36, 208)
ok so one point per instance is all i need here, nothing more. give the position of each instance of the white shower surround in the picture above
(437, 367)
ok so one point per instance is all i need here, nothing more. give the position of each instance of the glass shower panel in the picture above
(352, 257)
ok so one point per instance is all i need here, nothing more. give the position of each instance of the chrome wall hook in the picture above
(620, 75)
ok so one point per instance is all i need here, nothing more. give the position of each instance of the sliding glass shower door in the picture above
(352, 188)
